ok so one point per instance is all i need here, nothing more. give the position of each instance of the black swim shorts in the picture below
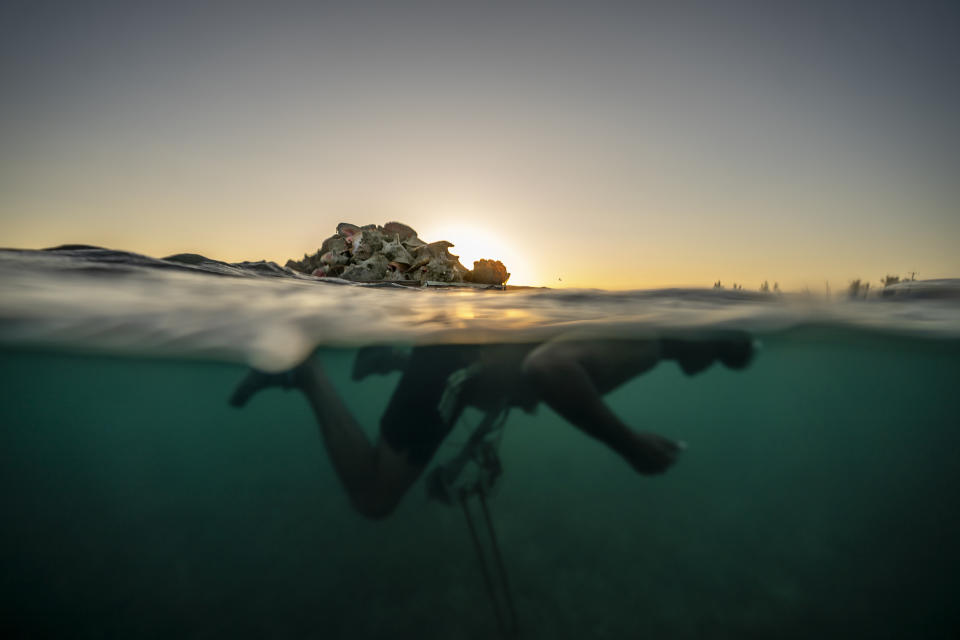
(412, 423)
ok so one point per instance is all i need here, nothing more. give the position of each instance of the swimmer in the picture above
(438, 382)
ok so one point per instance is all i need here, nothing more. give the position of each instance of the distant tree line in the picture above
(856, 289)
(764, 288)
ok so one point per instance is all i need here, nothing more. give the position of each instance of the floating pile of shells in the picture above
(393, 252)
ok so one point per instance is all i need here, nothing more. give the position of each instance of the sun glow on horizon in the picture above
(472, 243)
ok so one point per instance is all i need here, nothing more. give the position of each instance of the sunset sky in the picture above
(596, 144)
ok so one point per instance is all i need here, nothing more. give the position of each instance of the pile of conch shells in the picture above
(393, 252)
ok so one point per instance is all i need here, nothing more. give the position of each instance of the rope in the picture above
(487, 581)
(504, 583)
(481, 450)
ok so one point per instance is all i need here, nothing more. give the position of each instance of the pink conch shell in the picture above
(366, 243)
(347, 230)
(334, 259)
(400, 230)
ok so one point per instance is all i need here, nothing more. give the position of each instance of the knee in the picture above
(545, 366)
(538, 364)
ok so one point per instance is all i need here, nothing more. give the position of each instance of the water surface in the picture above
(817, 497)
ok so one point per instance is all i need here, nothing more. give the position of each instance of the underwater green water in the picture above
(818, 498)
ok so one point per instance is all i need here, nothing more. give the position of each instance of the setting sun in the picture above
(472, 243)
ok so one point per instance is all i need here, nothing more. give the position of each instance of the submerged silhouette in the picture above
(438, 382)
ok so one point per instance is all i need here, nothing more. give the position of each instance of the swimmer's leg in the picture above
(571, 376)
(379, 359)
(255, 380)
(375, 477)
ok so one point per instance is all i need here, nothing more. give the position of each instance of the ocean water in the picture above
(818, 495)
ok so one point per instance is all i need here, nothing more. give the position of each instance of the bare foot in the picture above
(255, 381)
(652, 454)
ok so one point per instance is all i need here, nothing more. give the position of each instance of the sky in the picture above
(592, 144)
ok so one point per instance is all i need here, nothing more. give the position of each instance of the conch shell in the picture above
(400, 230)
(370, 270)
(394, 251)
